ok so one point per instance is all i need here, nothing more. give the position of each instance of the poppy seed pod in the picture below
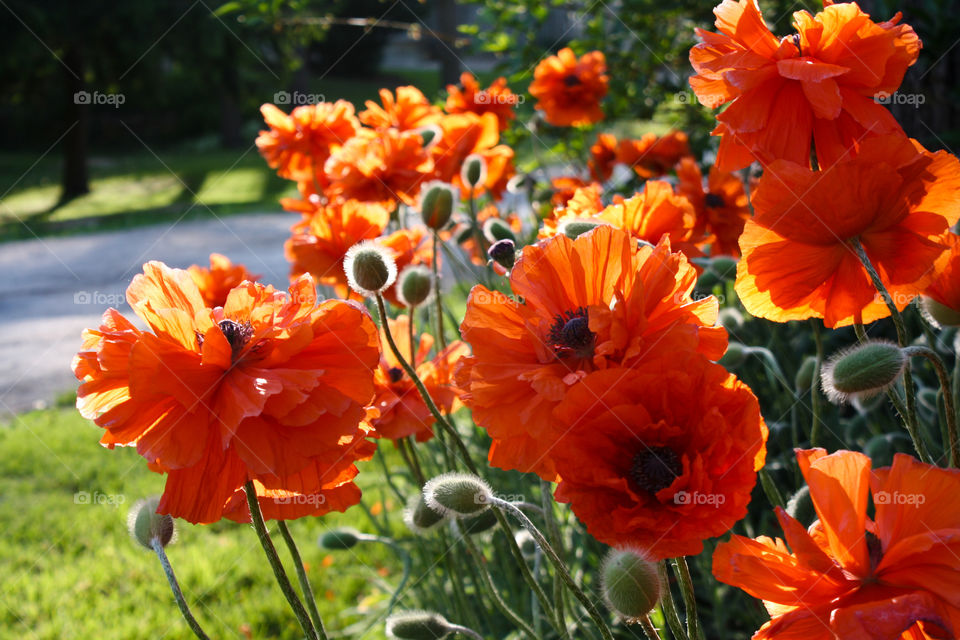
(436, 204)
(504, 253)
(459, 494)
(419, 517)
(339, 539)
(369, 267)
(414, 285)
(938, 314)
(497, 229)
(418, 625)
(862, 371)
(631, 585)
(146, 525)
(473, 172)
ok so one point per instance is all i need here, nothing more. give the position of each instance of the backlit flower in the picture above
(603, 156)
(576, 307)
(661, 457)
(722, 206)
(653, 156)
(271, 387)
(820, 87)
(466, 134)
(847, 576)
(569, 89)
(798, 261)
(496, 99)
(406, 111)
(216, 281)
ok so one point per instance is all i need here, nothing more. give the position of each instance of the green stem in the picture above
(689, 598)
(948, 399)
(667, 604)
(302, 577)
(770, 488)
(553, 531)
(487, 579)
(649, 629)
(815, 386)
(441, 340)
(177, 593)
(278, 571)
(456, 628)
(558, 566)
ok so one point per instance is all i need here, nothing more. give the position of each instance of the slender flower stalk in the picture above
(814, 387)
(694, 632)
(436, 291)
(649, 629)
(278, 571)
(302, 577)
(177, 592)
(948, 399)
(667, 604)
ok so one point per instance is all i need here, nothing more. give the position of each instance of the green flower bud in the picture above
(804, 378)
(800, 507)
(707, 281)
(937, 314)
(631, 586)
(577, 227)
(430, 134)
(369, 267)
(436, 204)
(419, 517)
(731, 319)
(504, 253)
(339, 539)
(724, 267)
(480, 523)
(146, 525)
(473, 172)
(415, 285)
(862, 371)
(418, 625)
(459, 494)
(497, 229)
(735, 355)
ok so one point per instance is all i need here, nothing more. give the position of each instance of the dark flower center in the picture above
(237, 334)
(714, 201)
(571, 335)
(655, 468)
(571, 80)
(395, 374)
(874, 549)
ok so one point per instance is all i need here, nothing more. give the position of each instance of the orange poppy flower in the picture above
(816, 87)
(945, 289)
(321, 239)
(797, 260)
(661, 457)
(409, 110)
(263, 388)
(569, 90)
(896, 576)
(722, 207)
(217, 281)
(465, 134)
(496, 99)
(603, 156)
(652, 156)
(402, 410)
(297, 145)
(566, 187)
(379, 166)
(649, 215)
(407, 247)
(576, 307)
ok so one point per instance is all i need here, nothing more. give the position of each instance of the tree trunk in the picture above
(75, 180)
(447, 30)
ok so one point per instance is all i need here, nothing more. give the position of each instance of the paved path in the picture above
(53, 288)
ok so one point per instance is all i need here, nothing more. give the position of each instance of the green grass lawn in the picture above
(71, 571)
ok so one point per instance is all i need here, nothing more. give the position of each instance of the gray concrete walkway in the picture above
(53, 288)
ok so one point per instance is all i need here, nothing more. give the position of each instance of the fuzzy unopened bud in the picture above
(804, 378)
(420, 517)
(430, 134)
(577, 227)
(436, 203)
(497, 229)
(414, 285)
(418, 625)
(631, 585)
(800, 507)
(862, 371)
(339, 539)
(458, 494)
(735, 355)
(504, 253)
(938, 314)
(370, 268)
(730, 319)
(478, 524)
(146, 525)
(473, 171)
